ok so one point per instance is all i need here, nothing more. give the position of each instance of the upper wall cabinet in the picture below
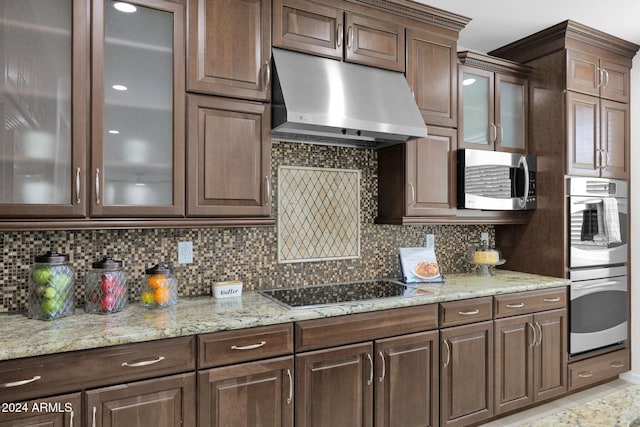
(325, 30)
(590, 74)
(493, 103)
(44, 110)
(229, 48)
(432, 76)
(138, 131)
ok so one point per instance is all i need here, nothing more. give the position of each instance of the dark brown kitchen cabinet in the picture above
(334, 387)
(590, 74)
(466, 374)
(407, 380)
(251, 394)
(530, 359)
(45, 112)
(229, 157)
(57, 411)
(160, 402)
(330, 31)
(418, 179)
(137, 78)
(432, 76)
(598, 136)
(493, 103)
(229, 48)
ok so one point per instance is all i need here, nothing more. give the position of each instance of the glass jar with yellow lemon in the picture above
(160, 287)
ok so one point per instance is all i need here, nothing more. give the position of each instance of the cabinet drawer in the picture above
(598, 368)
(354, 328)
(59, 373)
(529, 302)
(465, 311)
(225, 348)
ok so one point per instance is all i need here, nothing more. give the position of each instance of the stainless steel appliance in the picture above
(598, 219)
(493, 180)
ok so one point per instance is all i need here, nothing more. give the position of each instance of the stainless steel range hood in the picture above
(325, 101)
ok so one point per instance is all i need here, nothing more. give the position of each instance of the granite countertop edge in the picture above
(23, 337)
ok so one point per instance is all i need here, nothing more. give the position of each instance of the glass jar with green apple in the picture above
(51, 287)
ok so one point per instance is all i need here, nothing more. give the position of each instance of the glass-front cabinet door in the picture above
(138, 108)
(43, 43)
(511, 109)
(479, 129)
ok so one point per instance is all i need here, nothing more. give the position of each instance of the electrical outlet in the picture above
(185, 252)
(430, 241)
(484, 237)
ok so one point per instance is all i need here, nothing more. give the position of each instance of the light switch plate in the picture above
(430, 241)
(484, 237)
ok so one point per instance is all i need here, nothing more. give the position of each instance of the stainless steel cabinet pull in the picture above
(518, 305)
(607, 158)
(267, 75)
(384, 367)
(469, 313)
(556, 299)
(143, 363)
(93, 423)
(22, 382)
(606, 78)
(600, 77)
(535, 338)
(97, 186)
(370, 381)
(448, 360)
(78, 186)
(494, 135)
(412, 201)
(617, 365)
(539, 333)
(268, 186)
(248, 347)
(71, 419)
(350, 41)
(585, 374)
(501, 134)
(290, 398)
(339, 35)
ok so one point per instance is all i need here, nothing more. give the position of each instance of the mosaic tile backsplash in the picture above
(248, 254)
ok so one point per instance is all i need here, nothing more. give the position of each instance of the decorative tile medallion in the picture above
(318, 214)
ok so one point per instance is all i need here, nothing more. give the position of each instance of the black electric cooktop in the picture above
(339, 293)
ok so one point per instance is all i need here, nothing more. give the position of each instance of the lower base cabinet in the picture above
(257, 394)
(162, 402)
(337, 387)
(466, 378)
(56, 411)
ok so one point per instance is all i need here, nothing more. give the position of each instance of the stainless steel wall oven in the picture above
(598, 220)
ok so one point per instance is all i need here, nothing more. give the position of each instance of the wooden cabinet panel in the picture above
(407, 380)
(373, 42)
(550, 378)
(224, 348)
(592, 370)
(327, 332)
(60, 411)
(432, 75)
(529, 302)
(514, 343)
(308, 27)
(229, 157)
(466, 378)
(617, 81)
(66, 372)
(583, 72)
(253, 394)
(583, 135)
(465, 311)
(161, 402)
(229, 48)
(334, 388)
(615, 139)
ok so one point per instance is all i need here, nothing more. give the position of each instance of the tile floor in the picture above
(559, 405)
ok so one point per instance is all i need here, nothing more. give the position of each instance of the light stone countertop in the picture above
(23, 337)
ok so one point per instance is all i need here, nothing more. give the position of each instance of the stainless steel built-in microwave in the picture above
(493, 180)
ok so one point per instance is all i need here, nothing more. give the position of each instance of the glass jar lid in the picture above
(52, 258)
(107, 263)
(159, 269)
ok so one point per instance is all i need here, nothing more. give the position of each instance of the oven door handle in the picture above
(588, 202)
(606, 284)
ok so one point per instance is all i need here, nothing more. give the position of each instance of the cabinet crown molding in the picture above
(424, 13)
(491, 63)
